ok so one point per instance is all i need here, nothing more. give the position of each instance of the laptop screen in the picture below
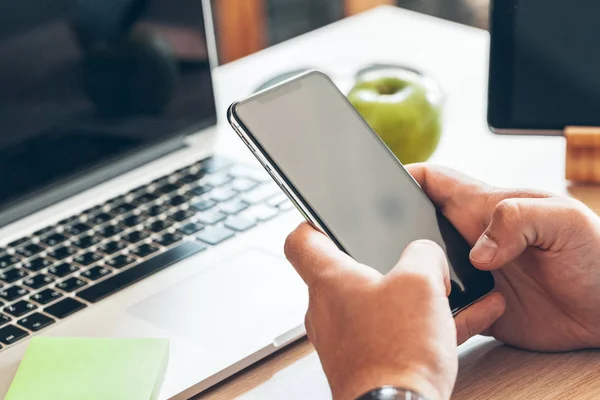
(86, 82)
(544, 64)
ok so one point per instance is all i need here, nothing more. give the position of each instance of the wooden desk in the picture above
(457, 56)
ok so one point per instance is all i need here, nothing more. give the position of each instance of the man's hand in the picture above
(544, 252)
(372, 330)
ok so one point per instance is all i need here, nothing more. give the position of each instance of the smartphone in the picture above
(346, 182)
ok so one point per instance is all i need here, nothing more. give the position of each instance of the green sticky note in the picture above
(90, 369)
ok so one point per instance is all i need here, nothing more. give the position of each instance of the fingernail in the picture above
(485, 250)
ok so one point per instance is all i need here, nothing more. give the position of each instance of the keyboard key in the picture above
(177, 200)
(261, 193)
(260, 213)
(20, 308)
(243, 184)
(135, 236)
(286, 206)
(18, 242)
(11, 334)
(120, 261)
(30, 250)
(168, 188)
(159, 225)
(187, 179)
(96, 272)
(62, 270)
(78, 229)
(200, 190)
(12, 275)
(140, 271)
(68, 221)
(204, 205)
(217, 180)
(38, 281)
(123, 208)
(46, 296)
(184, 170)
(97, 209)
(145, 198)
(211, 217)
(86, 241)
(191, 228)
(108, 231)
(182, 215)
(163, 180)
(239, 224)
(234, 206)
(44, 231)
(222, 194)
(134, 220)
(37, 264)
(62, 252)
(275, 201)
(197, 173)
(8, 260)
(242, 171)
(64, 308)
(114, 202)
(215, 234)
(87, 258)
(168, 239)
(112, 247)
(214, 163)
(71, 284)
(138, 191)
(156, 210)
(35, 322)
(12, 293)
(144, 250)
(54, 239)
(4, 319)
(100, 219)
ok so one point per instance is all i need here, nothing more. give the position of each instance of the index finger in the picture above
(442, 184)
(425, 258)
(313, 254)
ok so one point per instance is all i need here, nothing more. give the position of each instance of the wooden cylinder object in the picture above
(583, 154)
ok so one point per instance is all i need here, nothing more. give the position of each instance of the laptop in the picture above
(117, 218)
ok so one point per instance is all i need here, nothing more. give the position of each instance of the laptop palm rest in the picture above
(250, 298)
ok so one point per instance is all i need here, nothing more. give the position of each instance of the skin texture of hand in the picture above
(372, 330)
(543, 250)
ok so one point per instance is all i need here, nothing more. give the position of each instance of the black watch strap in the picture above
(391, 393)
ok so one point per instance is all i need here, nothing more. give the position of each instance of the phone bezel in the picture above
(288, 187)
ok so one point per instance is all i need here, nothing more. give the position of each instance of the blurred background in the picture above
(246, 26)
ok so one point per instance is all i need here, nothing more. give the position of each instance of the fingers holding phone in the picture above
(372, 330)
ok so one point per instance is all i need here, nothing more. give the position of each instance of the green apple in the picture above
(403, 107)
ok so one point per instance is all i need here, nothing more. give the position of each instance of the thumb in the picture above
(518, 223)
(427, 259)
(314, 256)
(479, 317)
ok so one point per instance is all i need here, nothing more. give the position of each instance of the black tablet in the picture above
(544, 65)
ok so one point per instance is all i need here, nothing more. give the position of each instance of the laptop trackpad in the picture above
(253, 294)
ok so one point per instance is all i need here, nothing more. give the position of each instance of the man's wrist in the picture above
(418, 380)
(391, 393)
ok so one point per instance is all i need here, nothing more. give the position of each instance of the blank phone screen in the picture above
(351, 182)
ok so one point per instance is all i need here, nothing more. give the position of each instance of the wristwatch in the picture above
(391, 393)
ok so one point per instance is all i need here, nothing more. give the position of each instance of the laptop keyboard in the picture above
(61, 269)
